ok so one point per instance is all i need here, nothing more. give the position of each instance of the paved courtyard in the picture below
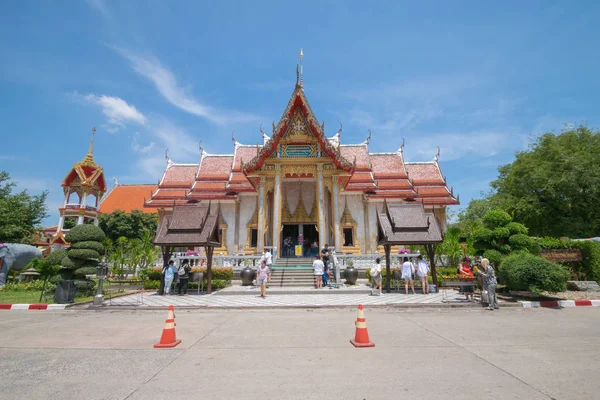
(298, 297)
(445, 354)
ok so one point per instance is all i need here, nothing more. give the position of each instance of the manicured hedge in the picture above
(85, 271)
(56, 257)
(590, 265)
(89, 244)
(85, 287)
(83, 254)
(85, 232)
(523, 271)
(224, 273)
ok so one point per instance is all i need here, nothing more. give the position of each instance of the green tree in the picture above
(20, 213)
(553, 188)
(131, 226)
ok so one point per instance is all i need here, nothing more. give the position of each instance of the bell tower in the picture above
(83, 188)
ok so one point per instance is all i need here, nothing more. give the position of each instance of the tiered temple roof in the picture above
(377, 175)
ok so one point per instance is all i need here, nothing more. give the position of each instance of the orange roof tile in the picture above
(127, 198)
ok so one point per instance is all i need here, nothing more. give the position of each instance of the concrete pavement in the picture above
(299, 354)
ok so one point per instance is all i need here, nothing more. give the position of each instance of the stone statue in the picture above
(15, 256)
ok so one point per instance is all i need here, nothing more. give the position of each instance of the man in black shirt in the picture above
(325, 258)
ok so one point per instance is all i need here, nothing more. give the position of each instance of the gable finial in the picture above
(233, 137)
(368, 137)
(115, 181)
(437, 156)
(401, 149)
(301, 78)
(167, 155)
(261, 130)
(339, 132)
(323, 127)
(273, 123)
(200, 148)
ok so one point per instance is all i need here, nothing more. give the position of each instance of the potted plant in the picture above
(351, 273)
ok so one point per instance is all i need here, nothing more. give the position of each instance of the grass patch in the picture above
(32, 298)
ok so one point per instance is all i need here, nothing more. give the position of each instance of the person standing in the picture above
(376, 276)
(318, 267)
(489, 280)
(466, 273)
(408, 270)
(184, 278)
(423, 272)
(325, 258)
(169, 273)
(268, 259)
(262, 277)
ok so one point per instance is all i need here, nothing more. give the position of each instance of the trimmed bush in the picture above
(85, 287)
(83, 254)
(85, 271)
(501, 233)
(56, 257)
(590, 265)
(532, 273)
(504, 248)
(496, 218)
(88, 244)
(520, 241)
(483, 235)
(494, 256)
(225, 273)
(151, 284)
(516, 228)
(85, 232)
(154, 274)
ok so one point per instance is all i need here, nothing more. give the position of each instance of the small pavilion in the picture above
(190, 225)
(407, 224)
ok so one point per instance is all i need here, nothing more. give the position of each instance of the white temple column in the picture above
(96, 221)
(321, 194)
(366, 219)
(236, 233)
(277, 212)
(260, 243)
(61, 223)
(336, 215)
(83, 200)
(80, 220)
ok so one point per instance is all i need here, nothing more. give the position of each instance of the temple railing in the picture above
(365, 261)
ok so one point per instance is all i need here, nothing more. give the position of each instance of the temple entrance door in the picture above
(310, 236)
(289, 239)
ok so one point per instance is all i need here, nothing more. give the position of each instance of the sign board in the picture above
(298, 250)
(295, 150)
(562, 255)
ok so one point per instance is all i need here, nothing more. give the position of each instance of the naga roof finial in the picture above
(437, 156)
(233, 137)
(339, 132)
(368, 137)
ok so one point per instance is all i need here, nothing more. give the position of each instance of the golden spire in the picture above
(89, 157)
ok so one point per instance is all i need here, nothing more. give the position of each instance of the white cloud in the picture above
(166, 83)
(138, 148)
(117, 111)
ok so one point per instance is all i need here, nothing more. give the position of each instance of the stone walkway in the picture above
(326, 298)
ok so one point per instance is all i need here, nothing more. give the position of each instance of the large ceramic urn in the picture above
(247, 275)
(351, 275)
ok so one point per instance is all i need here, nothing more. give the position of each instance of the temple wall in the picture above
(355, 205)
(247, 206)
(228, 213)
(373, 207)
(292, 191)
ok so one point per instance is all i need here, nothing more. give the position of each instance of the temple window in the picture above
(91, 200)
(253, 237)
(348, 236)
(74, 198)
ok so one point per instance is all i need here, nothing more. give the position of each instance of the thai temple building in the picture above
(301, 187)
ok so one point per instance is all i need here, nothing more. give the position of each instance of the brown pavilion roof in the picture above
(400, 224)
(190, 225)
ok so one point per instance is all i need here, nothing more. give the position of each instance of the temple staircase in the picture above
(289, 272)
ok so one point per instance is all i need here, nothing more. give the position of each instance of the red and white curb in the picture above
(561, 303)
(33, 306)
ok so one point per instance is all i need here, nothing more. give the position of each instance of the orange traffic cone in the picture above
(361, 338)
(168, 338)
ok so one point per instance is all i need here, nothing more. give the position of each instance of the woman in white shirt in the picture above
(423, 272)
(318, 267)
(408, 269)
(376, 276)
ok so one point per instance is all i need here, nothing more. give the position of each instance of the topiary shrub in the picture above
(85, 287)
(88, 244)
(535, 274)
(590, 265)
(56, 257)
(496, 218)
(85, 232)
(85, 271)
(520, 241)
(516, 228)
(494, 256)
(501, 233)
(83, 254)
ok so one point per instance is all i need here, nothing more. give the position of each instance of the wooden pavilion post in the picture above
(209, 260)
(166, 252)
(388, 267)
(431, 255)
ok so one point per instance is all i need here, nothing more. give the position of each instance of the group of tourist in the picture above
(408, 273)
(321, 268)
(181, 275)
(483, 269)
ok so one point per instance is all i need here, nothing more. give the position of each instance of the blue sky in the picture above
(479, 79)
